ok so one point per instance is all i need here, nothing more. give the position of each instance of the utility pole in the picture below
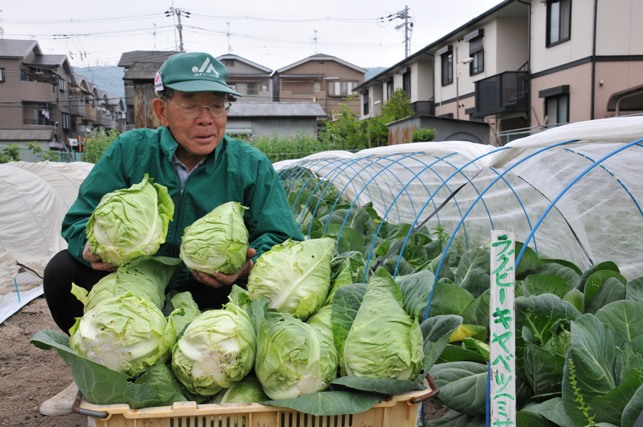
(407, 25)
(178, 12)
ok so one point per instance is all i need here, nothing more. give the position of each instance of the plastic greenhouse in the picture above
(35, 197)
(573, 192)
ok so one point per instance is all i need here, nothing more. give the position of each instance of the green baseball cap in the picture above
(193, 72)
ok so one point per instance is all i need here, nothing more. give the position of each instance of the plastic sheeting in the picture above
(573, 192)
(35, 198)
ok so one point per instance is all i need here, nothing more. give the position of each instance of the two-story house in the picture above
(34, 95)
(45, 102)
(262, 110)
(140, 68)
(323, 79)
(520, 67)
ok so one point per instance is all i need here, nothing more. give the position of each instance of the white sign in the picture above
(502, 331)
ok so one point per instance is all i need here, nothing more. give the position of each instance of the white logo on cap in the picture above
(206, 68)
(158, 82)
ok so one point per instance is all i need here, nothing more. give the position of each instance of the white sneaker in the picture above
(62, 403)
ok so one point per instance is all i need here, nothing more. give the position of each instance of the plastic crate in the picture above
(398, 411)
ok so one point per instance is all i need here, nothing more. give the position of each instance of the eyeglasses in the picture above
(192, 111)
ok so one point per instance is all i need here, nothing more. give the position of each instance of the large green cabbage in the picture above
(294, 276)
(130, 222)
(329, 358)
(146, 276)
(247, 390)
(383, 341)
(216, 350)
(126, 333)
(216, 242)
(288, 362)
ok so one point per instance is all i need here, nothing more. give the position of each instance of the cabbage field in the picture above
(392, 284)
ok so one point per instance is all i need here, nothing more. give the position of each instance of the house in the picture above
(256, 113)
(274, 119)
(45, 102)
(35, 96)
(520, 67)
(90, 108)
(323, 79)
(140, 68)
(248, 78)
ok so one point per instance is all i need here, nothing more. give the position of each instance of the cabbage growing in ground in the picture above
(130, 222)
(216, 242)
(216, 350)
(294, 276)
(126, 333)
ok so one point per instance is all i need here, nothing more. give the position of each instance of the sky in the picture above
(365, 33)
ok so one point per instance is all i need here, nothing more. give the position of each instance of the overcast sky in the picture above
(366, 33)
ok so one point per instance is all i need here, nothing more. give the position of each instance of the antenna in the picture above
(228, 34)
(315, 40)
(407, 25)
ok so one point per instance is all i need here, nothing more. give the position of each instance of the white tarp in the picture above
(35, 198)
(575, 191)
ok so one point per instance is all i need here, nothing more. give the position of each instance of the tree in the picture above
(397, 107)
(96, 145)
(10, 153)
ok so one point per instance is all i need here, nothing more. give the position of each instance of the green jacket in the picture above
(235, 171)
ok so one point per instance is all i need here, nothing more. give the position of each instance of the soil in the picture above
(30, 375)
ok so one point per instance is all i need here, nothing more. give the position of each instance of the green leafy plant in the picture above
(424, 135)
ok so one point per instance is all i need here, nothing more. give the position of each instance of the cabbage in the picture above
(383, 341)
(247, 390)
(216, 242)
(131, 222)
(294, 276)
(328, 357)
(216, 350)
(288, 361)
(145, 276)
(184, 310)
(126, 333)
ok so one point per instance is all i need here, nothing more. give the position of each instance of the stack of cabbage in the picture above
(304, 334)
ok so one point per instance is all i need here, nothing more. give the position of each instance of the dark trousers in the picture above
(63, 270)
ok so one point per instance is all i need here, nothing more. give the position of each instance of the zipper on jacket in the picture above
(177, 215)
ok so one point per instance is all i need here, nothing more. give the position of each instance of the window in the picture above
(61, 85)
(476, 52)
(406, 81)
(557, 109)
(1, 75)
(446, 59)
(66, 118)
(340, 88)
(365, 101)
(559, 19)
(390, 88)
(246, 88)
(556, 104)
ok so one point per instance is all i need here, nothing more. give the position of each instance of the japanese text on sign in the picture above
(502, 395)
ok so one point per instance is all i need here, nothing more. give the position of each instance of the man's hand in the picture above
(95, 261)
(219, 280)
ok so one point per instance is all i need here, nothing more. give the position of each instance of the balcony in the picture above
(507, 92)
(105, 119)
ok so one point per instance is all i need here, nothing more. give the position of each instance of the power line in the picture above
(407, 25)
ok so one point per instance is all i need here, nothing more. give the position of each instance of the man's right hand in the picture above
(95, 261)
